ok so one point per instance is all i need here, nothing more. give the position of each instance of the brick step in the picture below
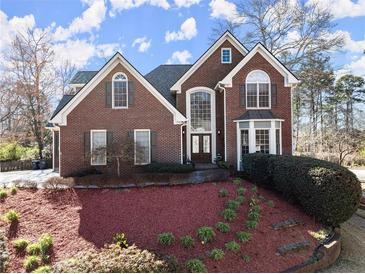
(285, 224)
(292, 247)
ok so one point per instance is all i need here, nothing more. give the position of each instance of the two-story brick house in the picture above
(231, 101)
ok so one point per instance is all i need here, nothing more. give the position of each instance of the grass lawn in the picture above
(88, 219)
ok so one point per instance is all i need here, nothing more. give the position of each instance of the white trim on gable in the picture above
(227, 36)
(61, 117)
(289, 78)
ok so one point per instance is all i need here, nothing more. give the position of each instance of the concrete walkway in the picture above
(38, 176)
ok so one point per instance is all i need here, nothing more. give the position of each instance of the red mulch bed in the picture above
(87, 219)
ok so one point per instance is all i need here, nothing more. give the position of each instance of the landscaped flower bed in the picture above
(87, 219)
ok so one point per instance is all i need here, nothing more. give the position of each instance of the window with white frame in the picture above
(120, 91)
(262, 141)
(258, 89)
(226, 56)
(98, 148)
(142, 147)
(200, 112)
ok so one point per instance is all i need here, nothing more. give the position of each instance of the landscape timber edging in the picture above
(324, 255)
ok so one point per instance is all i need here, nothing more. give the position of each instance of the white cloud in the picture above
(349, 44)
(119, 5)
(142, 43)
(356, 67)
(222, 9)
(179, 57)
(89, 20)
(342, 8)
(187, 31)
(186, 3)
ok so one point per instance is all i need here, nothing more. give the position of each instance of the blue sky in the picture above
(88, 32)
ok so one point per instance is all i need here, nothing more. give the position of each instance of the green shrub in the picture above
(240, 199)
(246, 258)
(31, 263)
(168, 168)
(223, 227)
(45, 243)
(121, 240)
(113, 259)
(12, 216)
(254, 189)
(43, 269)
(216, 254)
(233, 246)
(195, 266)
(325, 190)
(187, 241)
(13, 190)
(229, 214)
(33, 249)
(20, 244)
(237, 181)
(3, 194)
(223, 192)
(15, 152)
(271, 203)
(251, 224)
(166, 238)
(232, 204)
(241, 191)
(206, 234)
(254, 215)
(243, 236)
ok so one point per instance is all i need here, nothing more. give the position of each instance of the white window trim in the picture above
(91, 146)
(135, 147)
(257, 90)
(230, 56)
(127, 88)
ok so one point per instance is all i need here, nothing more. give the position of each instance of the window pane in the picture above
(120, 93)
(195, 144)
(206, 144)
(244, 142)
(142, 144)
(226, 56)
(262, 141)
(258, 76)
(98, 148)
(277, 124)
(278, 148)
(251, 95)
(244, 125)
(262, 124)
(263, 95)
(200, 108)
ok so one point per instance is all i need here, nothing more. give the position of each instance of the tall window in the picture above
(200, 112)
(258, 89)
(98, 147)
(262, 141)
(226, 56)
(244, 142)
(142, 147)
(120, 91)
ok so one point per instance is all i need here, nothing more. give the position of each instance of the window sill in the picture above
(119, 107)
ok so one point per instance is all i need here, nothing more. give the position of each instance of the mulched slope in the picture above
(87, 219)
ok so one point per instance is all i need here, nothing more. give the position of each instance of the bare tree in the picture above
(64, 74)
(30, 57)
(122, 152)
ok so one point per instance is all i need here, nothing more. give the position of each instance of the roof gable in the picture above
(226, 36)
(61, 117)
(289, 78)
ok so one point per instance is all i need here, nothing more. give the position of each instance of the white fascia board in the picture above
(261, 120)
(289, 78)
(225, 37)
(77, 85)
(61, 117)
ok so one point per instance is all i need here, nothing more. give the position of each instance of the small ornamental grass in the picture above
(237, 181)
(33, 249)
(216, 254)
(187, 241)
(206, 234)
(223, 192)
(251, 224)
(254, 189)
(166, 238)
(195, 266)
(45, 243)
(246, 258)
(240, 199)
(241, 191)
(232, 204)
(31, 263)
(229, 214)
(3, 194)
(20, 244)
(271, 203)
(43, 269)
(233, 246)
(13, 190)
(11, 216)
(223, 227)
(121, 240)
(243, 236)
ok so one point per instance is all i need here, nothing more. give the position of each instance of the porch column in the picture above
(272, 138)
(251, 137)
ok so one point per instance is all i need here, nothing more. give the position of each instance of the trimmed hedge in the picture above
(168, 168)
(327, 191)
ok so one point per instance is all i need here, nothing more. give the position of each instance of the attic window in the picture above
(226, 56)
(120, 91)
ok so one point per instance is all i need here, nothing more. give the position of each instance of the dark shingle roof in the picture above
(65, 99)
(256, 115)
(83, 76)
(164, 77)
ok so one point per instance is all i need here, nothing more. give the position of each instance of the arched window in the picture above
(200, 111)
(120, 90)
(258, 89)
